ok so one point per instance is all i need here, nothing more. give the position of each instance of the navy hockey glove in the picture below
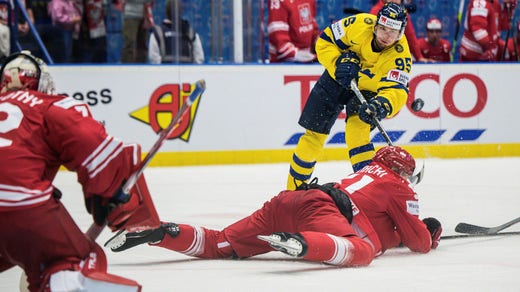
(435, 228)
(347, 68)
(377, 108)
(100, 208)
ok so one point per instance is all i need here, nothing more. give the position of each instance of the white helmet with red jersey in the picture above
(24, 71)
(397, 159)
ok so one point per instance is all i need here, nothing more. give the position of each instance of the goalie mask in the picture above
(397, 159)
(23, 71)
(393, 16)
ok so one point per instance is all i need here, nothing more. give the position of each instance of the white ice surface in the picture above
(479, 191)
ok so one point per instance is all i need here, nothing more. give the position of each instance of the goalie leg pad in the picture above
(95, 281)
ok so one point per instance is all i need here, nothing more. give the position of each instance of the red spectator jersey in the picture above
(482, 25)
(385, 203)
(39, 133)
(409, 31)
(291, 25)
(439, 53)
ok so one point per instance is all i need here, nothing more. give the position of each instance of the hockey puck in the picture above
(417, 105)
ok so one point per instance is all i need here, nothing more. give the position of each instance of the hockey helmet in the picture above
(393, 16)
(397, 159)
(24, 71)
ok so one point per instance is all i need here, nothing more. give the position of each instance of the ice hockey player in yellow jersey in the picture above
(371, 50)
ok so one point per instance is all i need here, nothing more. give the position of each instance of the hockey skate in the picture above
(124, 240)
(288, 243)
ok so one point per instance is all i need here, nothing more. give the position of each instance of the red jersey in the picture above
(439, 53)
(409, 31)
(41, 132)
(391, 207)
(482, 26)
(291, 25)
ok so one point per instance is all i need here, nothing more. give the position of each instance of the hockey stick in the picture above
(479, 235)
(200, 86)
(359, 95)
(457, 29)
(510, 31)
(417, 176)
(474, 229)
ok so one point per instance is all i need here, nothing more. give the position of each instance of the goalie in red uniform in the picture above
(343, 224)
(292, 30)
(41, 131)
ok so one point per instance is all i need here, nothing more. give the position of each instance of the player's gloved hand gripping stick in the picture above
(123, 196)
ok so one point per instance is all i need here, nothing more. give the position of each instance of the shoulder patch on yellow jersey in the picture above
(337, 30)
(398, 76)
(399, 48)
(369, 20)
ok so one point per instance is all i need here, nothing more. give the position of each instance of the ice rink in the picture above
(479, 191)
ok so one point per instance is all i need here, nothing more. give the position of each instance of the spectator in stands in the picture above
(91, 45)
(135, 28)
(66, 17)
(484, 20)
(5, 34)
(174, 41)
(409, 31)
(292, 30)
(433, 47)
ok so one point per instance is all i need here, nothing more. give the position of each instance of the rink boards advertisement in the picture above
(249, 113)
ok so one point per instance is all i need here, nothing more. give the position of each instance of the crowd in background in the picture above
(155, 31)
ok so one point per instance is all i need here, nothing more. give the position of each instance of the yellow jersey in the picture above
(386, 73)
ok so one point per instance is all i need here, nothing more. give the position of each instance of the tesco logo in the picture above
(448, 98)
(472, 105)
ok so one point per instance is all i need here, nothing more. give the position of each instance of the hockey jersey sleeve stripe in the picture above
(480, 34)
(32, 201)
(277, 26)
(68, 102)
(476, 11)
(11, 196)
(471, 45)
(397, 86)
(103, 154)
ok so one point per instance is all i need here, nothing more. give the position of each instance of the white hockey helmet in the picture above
(24, 71)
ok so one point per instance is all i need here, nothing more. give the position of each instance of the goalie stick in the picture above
(475, 229)
(417, 175)
(200, 86)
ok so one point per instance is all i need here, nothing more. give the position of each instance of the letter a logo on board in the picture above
(164, 104)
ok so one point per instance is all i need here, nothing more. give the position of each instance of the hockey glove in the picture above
(377, 108)
(121, 207)
(304, 56)
(97, 209)
(115, 210)
(435, 228)
(347, 69)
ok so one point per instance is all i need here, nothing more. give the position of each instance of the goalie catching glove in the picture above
(435, 228)
(347, 68)
(377, 108)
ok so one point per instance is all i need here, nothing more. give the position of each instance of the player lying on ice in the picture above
(40, 132)
(344, 224)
